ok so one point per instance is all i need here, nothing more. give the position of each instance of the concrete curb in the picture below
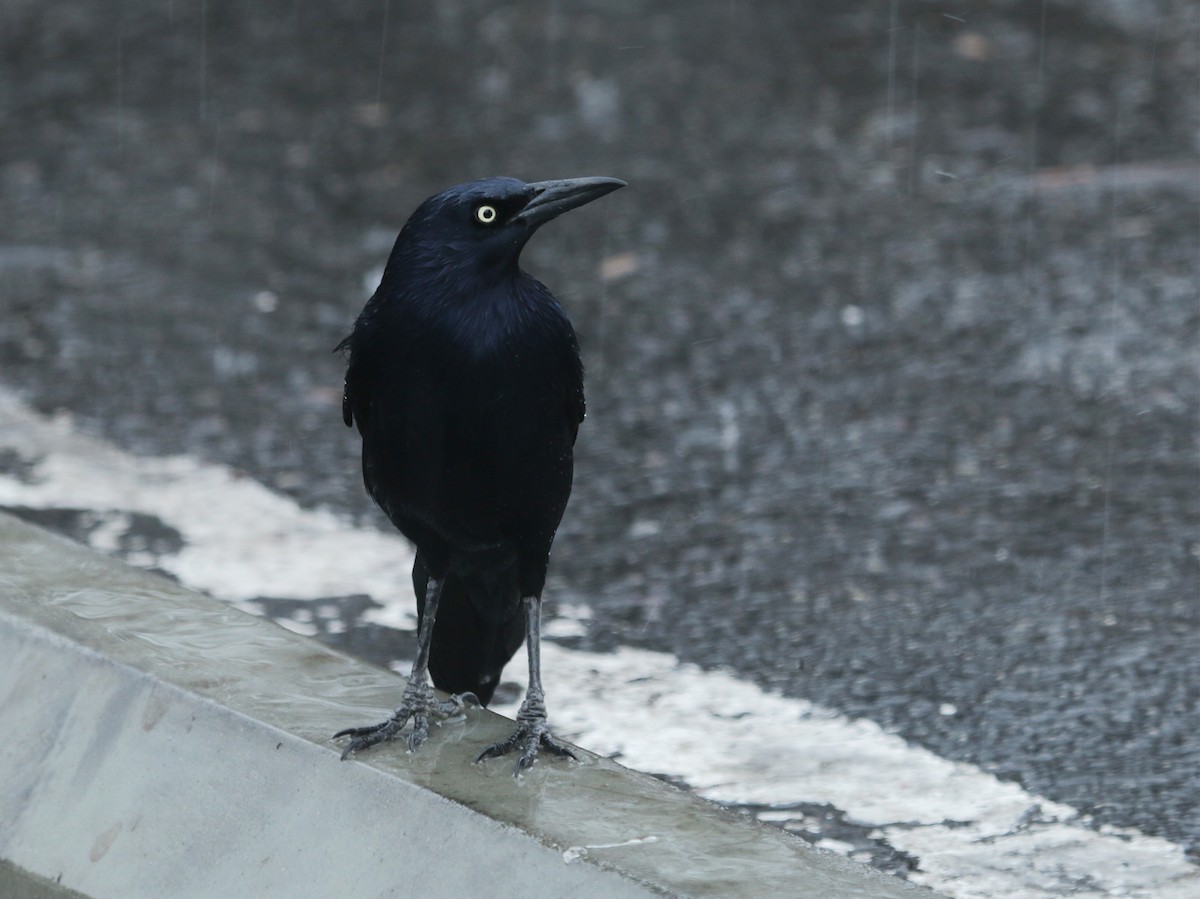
(163, 743)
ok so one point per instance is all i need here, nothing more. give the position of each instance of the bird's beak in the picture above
(552, 198)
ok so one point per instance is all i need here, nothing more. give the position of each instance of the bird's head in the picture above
(482, 225)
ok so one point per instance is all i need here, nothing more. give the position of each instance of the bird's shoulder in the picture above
(364, 349)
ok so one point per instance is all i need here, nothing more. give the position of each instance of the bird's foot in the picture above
(532, 734)
(418, 704)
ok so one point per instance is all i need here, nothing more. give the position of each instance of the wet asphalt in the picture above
(892, 342)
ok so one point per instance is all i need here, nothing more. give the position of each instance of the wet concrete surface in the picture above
(188, 743)
(892, 342)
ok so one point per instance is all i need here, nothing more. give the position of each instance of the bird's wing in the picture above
(578, 409)
(576, 402)
(347, 390)
(360, 371)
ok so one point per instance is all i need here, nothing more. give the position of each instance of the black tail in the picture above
(480, 626)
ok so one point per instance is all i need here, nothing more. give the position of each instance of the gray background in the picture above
(892, 340)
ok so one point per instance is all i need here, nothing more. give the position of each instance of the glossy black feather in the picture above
(465, 382)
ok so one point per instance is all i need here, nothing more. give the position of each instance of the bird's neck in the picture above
(456, 269)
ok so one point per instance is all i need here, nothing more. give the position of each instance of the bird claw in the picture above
(365, 737)
(419, 705)
(530, 736)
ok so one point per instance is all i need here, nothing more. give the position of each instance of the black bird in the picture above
(465, 382)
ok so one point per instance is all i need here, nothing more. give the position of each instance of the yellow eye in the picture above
(486, 214)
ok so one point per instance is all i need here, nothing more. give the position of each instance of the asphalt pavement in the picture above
(892, 342)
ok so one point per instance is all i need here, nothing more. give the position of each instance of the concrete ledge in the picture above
(159, 742)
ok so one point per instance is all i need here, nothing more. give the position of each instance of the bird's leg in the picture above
(533, 731)
(418, 702)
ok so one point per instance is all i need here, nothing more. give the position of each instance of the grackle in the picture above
(465, 383)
